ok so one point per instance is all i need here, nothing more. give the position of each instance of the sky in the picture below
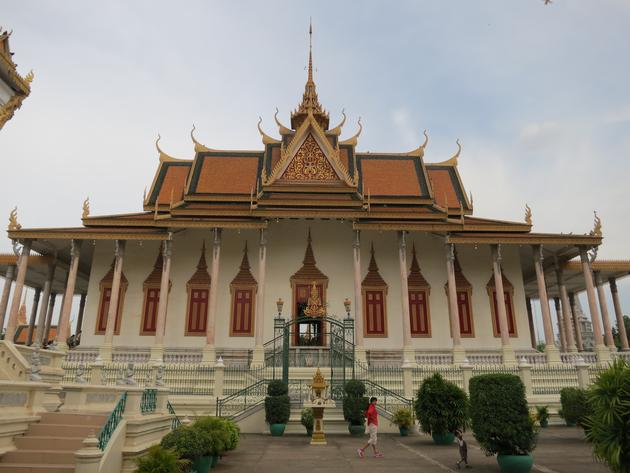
(537, 94)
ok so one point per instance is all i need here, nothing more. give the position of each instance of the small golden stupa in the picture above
(314, 307)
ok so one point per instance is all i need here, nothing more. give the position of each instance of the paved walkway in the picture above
(560, 450)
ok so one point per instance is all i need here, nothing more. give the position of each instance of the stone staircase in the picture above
(49, 445)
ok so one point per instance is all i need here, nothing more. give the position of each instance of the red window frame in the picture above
(197, 311)
(465, 314)
(375, 323)
(242, 312)
(149, 317)
(509, 312)
(419, 312)
(101, 324)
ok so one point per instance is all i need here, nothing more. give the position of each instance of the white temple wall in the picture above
(332, 247)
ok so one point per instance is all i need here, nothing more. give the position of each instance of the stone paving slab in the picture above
(560, 450)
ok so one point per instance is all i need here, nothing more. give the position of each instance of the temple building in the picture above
(13, 87)
(228, 241)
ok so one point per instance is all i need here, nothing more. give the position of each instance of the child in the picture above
(463, 449)
(372, 422)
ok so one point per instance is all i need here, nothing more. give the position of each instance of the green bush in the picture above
(441, 406)
(277, 388)
(189, 443)
(160, 460)
(500, 416)
(607, 426)
(218, 430)
(307, 419)
(354, 402)
(542, 415)
(277, 403)
(403, 418)
(575, 405)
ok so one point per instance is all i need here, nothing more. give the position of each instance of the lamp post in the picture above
(347, 305)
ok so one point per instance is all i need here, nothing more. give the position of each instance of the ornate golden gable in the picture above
(309, 164)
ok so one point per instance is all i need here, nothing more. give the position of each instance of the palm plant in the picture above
(607, 426)
(160, 460)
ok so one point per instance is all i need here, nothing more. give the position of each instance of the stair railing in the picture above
(175, 422)
(112, 422)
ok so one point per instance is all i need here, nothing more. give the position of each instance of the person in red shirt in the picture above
(372, 428)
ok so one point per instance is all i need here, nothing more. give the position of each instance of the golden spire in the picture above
(528, 215)
(597, 225)
(310, 103)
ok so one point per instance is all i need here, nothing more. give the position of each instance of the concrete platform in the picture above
(560, 450)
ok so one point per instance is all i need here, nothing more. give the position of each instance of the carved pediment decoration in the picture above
(309, 164)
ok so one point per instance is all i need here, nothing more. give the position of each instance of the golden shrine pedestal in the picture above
(318, 402)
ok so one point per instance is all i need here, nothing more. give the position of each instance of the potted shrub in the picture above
(191, 444)
(575, 405)
(403, 418)
(224, 435)
(542, 415)
(307, 419)
(501, 422)
(441, 407)
(606, 426)
(160, 460)
(277, 407)
(354, 406)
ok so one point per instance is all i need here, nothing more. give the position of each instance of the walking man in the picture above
(372, 428)
(463, 449)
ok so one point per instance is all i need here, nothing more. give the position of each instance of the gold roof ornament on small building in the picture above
(13, 223)
(319, 385)
(314, 306)
(597, 225)
(86, 208)
(528, 215)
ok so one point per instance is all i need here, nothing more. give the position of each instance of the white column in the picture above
(459, 355)
(157, 350)
(603, 353)
(6, 291)
(43, 307)
(258, 358)
(17, 292)
(553, 354)
(409, 354)
(509, 357)
(33, 318)
(358, 299)
(621, 326)
(576, 323)
(563, 341)
(108, 344)
(63, 329)
(209, 351)
(566, 313)
(603, 306)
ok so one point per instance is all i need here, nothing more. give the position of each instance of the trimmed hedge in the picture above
(441, 406)
(500, 417)
(225, 433)
(277, 403)
(160, 460)
(189, 443)
(354, 402)
(575, 405)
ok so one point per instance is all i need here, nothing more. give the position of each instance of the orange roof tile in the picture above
(201, 276)
(309, 269)
(244, 277)
(415, 278)
(396, 177)
(175, 181)
(443, 189)
(373, 277)
(227, 175)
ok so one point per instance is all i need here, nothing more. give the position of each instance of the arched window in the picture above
(419, 290)
(151, 288)
(464, 302)
(105, 296)
(198, 289)
(508, 297)
(243, 290)
(374, 291)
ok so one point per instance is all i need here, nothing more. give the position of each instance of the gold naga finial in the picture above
(597, 225)
(28, 78)
(337, 130)
(454, 158)
(528, 215)
(13, 223)
(266, 139)
(163, 155)
(86, 208)
(283, 130)
(354, 139)
(419, 151)
(198, 146)
(471, 199)
(144, 195)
